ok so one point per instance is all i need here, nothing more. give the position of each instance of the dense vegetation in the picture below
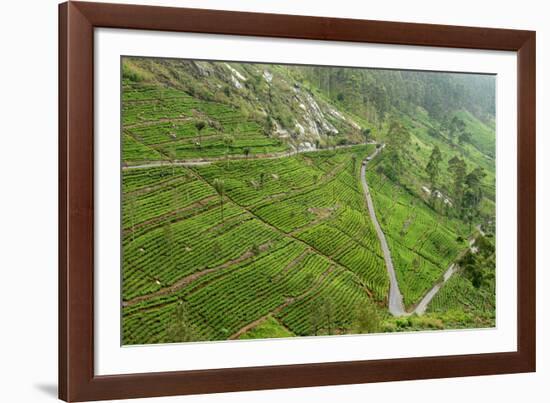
(244, 215)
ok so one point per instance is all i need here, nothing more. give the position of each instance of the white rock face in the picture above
(334, 112)
(314, 116)
(204, 68)
(236, 73)
(236, 82)
(338, 115)
(280, 132)
(306, 146)
(268, 76)
(236, 77)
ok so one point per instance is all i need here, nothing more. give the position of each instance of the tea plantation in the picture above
(244, 216)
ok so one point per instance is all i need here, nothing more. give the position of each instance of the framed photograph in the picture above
(256, 201)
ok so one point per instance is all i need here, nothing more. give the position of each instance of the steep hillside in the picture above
(245, 108)
(244, 213)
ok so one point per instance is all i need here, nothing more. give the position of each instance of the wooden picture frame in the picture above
(77, 381)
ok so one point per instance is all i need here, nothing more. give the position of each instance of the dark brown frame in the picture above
(77, 21)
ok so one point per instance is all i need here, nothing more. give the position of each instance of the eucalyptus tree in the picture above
(366, 132)
(398, 140)
(433, 170)
(199, 125)
(473, 194)
(219, 185)
(457, 168)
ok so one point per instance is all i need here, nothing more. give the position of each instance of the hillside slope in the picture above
(243, 211)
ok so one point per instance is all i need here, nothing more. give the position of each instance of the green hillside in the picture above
(244, 215)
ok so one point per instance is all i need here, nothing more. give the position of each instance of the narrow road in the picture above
(423, 304)
(207, 161)
(395, 299)
(420, 309)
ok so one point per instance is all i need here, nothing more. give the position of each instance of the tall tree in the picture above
(473, 194)
(479, 263)
(457, 128)
(457, 168)
(228, 141)
(398, 139)
(432, 168)
(366, 134)
(199, 125)
(219, 185)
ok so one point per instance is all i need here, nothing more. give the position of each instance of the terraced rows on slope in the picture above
(331, 213)
(286, 233)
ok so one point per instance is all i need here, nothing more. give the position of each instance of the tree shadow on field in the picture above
(49, 389)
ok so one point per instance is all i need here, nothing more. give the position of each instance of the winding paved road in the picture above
(395, 303)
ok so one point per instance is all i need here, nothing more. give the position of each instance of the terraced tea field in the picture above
(272, 246)
(276, 254)
(233, 230)
(160, 123)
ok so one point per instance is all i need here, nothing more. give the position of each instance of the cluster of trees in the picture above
(366, 132)
(398, 139)
(199, 125)
(479, 264)
(453, 130)
(456, 128)
(365, 319)
(466, 187)
(432, 168)
(322, 317)
(368, 92)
